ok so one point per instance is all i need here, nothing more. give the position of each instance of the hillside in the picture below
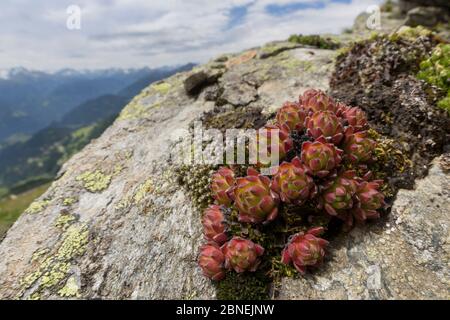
(38, 158)
(122, 219)
(31, 100)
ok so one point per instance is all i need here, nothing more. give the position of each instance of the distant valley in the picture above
(46, 118)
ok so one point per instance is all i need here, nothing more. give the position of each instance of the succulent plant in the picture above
(316, 100)
(242, 254)
(254, 199)
(354, 117)
(305, 249)
(291, 116)
(211, 260)
(338, 193)
(214, 226)
(293, 183)
(264, 143)
(326, 124)
(368, 200)
(222, 182)
(311, 180)
(320, 156)
(358, 148)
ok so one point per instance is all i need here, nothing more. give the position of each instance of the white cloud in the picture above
(133, 33)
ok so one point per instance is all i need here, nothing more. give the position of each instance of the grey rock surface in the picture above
(406, 5)
(404, 256)
(427, 16)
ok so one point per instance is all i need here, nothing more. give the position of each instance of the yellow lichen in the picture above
(37, 206)
(69, 201)
(95, 181)
(54, 275)
(38, 254)
(70, 289)
(134, 109)
(74, 243)
(64, 221)
(55, 266)
(162, 88)
(143, 190)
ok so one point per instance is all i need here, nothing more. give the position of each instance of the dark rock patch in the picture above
(379, 76)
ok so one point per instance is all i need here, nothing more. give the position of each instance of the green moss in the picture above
(436, 71)
(196, 179)
(445, 103)
(410, 34)
(95, 181)
(315, 41)
(37, 206)
(244, 286)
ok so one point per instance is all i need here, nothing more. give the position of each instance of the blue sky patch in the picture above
(237, 15)
(283, 9)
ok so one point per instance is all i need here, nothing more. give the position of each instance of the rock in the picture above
(195, 82)
(116, 224)
(406, 5)
(404, 257)
(426, 16)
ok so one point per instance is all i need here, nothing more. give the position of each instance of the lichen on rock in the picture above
(53, 266)
(37, 206)
(95, 181)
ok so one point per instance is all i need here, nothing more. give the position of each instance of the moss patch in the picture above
(196, 180)
(243, 287)
(436, 71)
(314, 41)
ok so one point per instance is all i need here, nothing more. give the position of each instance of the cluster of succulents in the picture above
(329, 173)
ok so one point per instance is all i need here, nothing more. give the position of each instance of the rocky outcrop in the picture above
(116, 224)
(405, 256)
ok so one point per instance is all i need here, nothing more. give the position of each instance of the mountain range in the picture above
(46, 117)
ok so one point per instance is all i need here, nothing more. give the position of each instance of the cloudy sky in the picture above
(135, 33)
